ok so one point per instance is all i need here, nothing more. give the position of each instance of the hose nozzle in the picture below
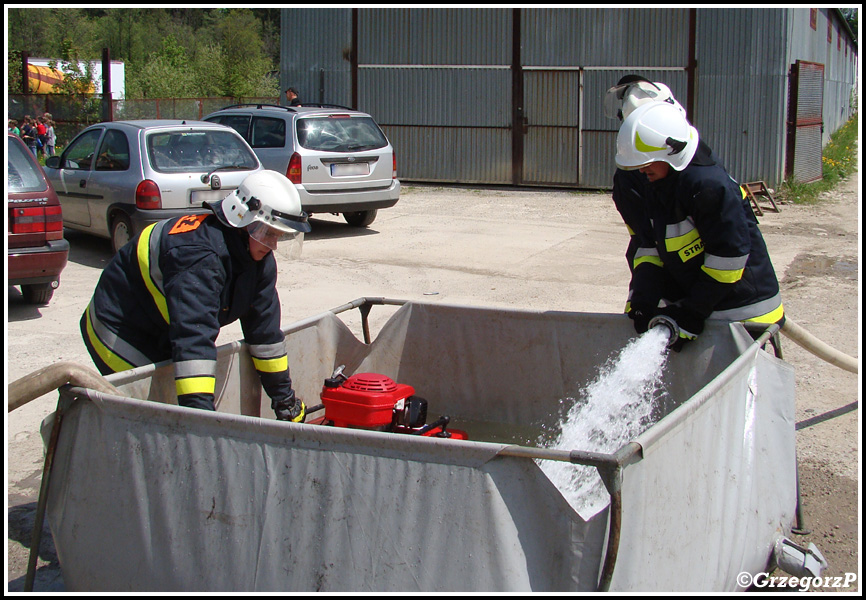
(673, 328)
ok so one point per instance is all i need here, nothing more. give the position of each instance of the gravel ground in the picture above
(558, 250)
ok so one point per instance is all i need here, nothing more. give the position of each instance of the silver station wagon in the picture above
(114, 179)
(339, 159)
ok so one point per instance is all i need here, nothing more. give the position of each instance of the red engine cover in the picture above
(364, 400)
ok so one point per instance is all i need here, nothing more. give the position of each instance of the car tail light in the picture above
(294, 170)
(39, 219)
(147, 196)
(394, 172)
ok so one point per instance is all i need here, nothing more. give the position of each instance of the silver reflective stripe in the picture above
(268, 350)
(117, 345)
(153, 259)
(725, 263)
(751, 311)
(193, 368)
(645, 252)
(677, 229)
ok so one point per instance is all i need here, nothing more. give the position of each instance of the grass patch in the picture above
(839, 160)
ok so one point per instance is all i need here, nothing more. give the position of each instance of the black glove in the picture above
(641, 316)
(690, 324)
(290, 409)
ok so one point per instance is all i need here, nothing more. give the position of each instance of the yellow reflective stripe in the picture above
(630, 230)
(774, 316)
(195, 385)
(116, 363)
(271, 365)
(681, 241)
(723, 276)
(652, 260)
(642, 146)
(143, 252)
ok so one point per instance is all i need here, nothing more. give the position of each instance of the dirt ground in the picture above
(544, 249)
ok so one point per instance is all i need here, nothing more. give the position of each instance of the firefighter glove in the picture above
(290, 409)
(690, 324)
(641, 316)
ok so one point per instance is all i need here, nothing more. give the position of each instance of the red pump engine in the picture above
(377, 402)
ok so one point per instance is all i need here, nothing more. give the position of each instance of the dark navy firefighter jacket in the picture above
(166, 294)
(700, 246)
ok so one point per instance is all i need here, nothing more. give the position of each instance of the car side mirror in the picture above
(53, 162)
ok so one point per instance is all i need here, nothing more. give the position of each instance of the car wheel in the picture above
(37, 293)
(121, 232)
(361, 218)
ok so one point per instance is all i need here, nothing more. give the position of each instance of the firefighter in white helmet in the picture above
(630, 92)
(706, 258)
(166, 294)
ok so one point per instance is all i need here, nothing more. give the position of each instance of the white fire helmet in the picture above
(656, 131)
(632, 91)
(268, 205)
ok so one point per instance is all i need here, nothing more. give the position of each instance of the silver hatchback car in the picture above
(339, 159)
(116, 178)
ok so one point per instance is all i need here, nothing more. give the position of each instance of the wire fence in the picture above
(71, 114)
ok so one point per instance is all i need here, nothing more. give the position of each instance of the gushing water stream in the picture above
(612, 410)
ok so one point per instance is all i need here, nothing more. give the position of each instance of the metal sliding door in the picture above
(805, 122)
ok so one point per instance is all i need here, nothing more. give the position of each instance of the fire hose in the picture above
(52, 377)
(791, 330)
(823, 351)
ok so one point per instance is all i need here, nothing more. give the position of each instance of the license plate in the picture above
(345, 169)
(196, 198)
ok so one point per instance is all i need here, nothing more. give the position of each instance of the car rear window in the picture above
(189, 151)
(23, 175)
(340, 133)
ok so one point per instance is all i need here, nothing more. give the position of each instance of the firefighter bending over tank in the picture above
(629, 186)
(166, 294)
(700, 254)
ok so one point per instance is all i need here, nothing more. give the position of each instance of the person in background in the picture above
(50, 136)
(13, 127)
(28, 135)
(167, 293)
(41, 135)
(292, 98)
(705, 257)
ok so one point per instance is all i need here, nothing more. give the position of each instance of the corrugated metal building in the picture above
(514, 95)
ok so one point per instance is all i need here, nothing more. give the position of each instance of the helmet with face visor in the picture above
(656, 132)
(268, 206)
(632, 91)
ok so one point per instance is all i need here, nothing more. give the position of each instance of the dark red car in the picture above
(37, 250)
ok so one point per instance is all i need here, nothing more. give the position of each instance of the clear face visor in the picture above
(613, 101)
(285, 243)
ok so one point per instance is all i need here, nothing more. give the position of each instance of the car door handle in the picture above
(82, 183)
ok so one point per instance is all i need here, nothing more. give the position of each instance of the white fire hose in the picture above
(823, 351)
(791, 330)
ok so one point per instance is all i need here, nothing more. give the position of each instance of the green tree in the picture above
(164, 74)
(245, 62)
(168, 52)
(78, 84)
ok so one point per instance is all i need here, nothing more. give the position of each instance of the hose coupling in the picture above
(670, 324)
